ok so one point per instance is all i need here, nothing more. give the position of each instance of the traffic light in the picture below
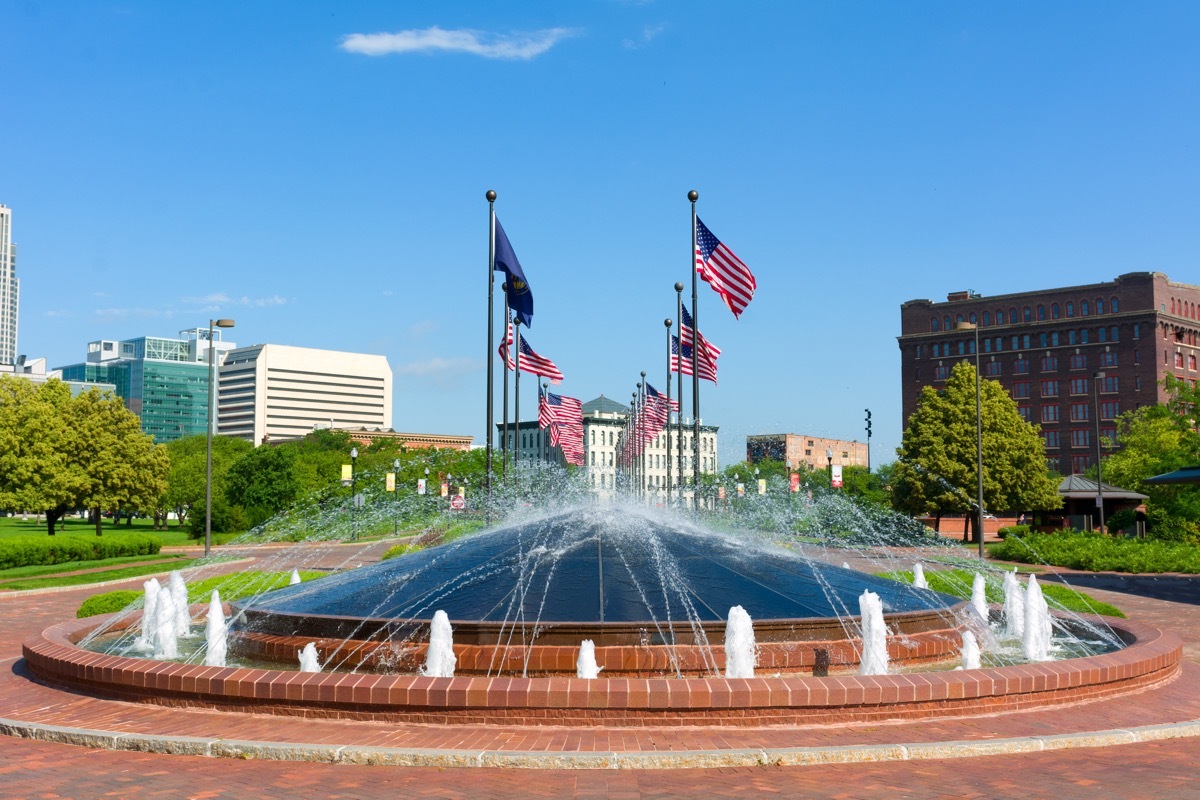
(868, 422)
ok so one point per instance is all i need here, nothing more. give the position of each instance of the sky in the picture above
(317, 171)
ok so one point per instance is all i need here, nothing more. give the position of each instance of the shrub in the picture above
(1098, 552)
(31, 551)
(1012, 530)
(107, 603)
(1123, 520)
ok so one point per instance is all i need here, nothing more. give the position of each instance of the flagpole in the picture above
(645, 466)
(679, 386)
(668, 323)
(693, 196)
(541, 438)
(507, 356)
(517, 398)
(491, 198)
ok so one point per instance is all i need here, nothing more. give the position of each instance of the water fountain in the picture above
(643, 593)
(741, 651)
(215, 634)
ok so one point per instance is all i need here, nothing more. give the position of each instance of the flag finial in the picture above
(678, 286)
(491, 195)
(693, 195)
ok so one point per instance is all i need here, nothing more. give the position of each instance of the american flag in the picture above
(569, 437)
(531, 361)
(686, 331)
(708, 367)
(723, 271)
(653, 415)
(560, 409)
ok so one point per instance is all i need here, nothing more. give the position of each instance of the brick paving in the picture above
(1154, 769)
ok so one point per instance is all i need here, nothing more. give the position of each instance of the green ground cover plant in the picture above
(54, 569)
(232, 586)
(93, 577)
(958, 582)
(1099, 552)
(453, 532)
(30, 551)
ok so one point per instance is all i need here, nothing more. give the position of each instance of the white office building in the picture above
(274, 392)
(604, 427)
(10, 289)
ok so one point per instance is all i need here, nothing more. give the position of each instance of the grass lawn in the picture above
(957, 582)
(74, 526)
(95, 577)
(54, 569)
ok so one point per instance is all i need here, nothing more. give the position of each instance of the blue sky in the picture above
(317, 172)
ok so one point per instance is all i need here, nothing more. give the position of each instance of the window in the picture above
(987, 318)
(1049, 388)
(992, 369)
(1079, 386)
(1041, 312)
(1021, 367)
(999, 343)
(972, 318)
(594, 430)
(1079, 412)
(1050, 413)
(1020, 389)
(987, 345)
(1137, 357)
(1101, 334)
(1070, 309)
(1042, 340)
(593, 458)
(1083, 308)
(1108, 436)
(1178, 360)
(1112, 333)
(946, 323)
(1081, 437)
(1016, 343)
(1110, 383)
(1083, 335)
(958, 318)
(999, 316)
(1072, 337)
(1099, 305)
(1192, 363)
(1054, 339)
(1080, 464)
(1109, 359)
(1112, 306)
(1012, 316)
(1079, 361)
(1137, 330)
(1025, 341)
(962, 348)
(1025, 413)
(1027, 314)
(1051, 438)
(1110, 409)
(1054, 310)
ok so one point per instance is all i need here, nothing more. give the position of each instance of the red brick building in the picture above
(1068, 356)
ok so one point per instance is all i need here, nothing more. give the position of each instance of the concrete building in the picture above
(799, 448)
(604, 427)
(1069, 357)
(34, 370)
(275, 392)
(10, 290)
(164, 381)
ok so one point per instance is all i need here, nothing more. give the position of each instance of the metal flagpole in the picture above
(504, 366)
(645, 465)
(679, 386)
(489, 435)
(693, 196)
(667, 429)
(634, 442)
(516, 394)
(541, 438)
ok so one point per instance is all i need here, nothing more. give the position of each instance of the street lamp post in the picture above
(218, 323)
(978, 438)
(426, 500)
(353, 494)
(829, 461)
(756, 479)
(1096, 379)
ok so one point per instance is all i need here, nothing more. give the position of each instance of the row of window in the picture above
(1183, 308)
(1080, 412)
(1023, 342)
(1078, 361)
(1028, 314)
(1078, 437)
(1179, 361)
(1076, 386)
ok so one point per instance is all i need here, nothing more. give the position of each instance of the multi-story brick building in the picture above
(1069, 357)
(815, 451)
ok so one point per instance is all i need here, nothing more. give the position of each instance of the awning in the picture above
(1184, 475)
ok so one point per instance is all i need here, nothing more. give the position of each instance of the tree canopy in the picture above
(936, 471)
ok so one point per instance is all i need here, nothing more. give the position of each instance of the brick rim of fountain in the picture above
(1151, 656)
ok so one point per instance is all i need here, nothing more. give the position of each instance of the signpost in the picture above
(458, 502)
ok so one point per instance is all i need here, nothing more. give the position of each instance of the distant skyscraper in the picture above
(10, 289)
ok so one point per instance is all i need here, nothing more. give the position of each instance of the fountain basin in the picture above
(1151, 656)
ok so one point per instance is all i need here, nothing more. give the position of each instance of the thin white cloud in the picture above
(445, 373)
(262, 302)
(207, 300)
(513, 46)
(419, 330)
(649, 34)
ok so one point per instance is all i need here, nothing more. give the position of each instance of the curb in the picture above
(689, 759)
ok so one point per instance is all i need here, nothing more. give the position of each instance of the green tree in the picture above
(1154, 440)
(187, 477)
(263, 482)
(125, 469)
(37, 471)
(936, 470)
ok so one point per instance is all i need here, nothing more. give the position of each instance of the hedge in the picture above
(232, 586)
(33, 551)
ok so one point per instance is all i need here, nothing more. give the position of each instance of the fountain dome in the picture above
(615, 575)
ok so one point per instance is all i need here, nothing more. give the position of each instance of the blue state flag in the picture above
(520, 298)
